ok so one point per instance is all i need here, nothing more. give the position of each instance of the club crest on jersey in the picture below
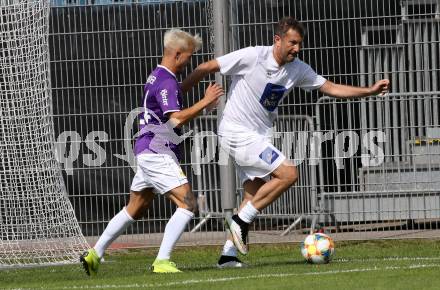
(268, 155)
(272, 95)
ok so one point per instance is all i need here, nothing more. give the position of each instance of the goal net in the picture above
(37, 221)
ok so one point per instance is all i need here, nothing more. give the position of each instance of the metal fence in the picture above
(368, 168)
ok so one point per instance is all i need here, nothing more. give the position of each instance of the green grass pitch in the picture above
(390, 264)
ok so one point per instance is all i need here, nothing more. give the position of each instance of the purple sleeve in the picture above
(167, 96)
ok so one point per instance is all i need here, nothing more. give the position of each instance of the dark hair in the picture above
(289, 23)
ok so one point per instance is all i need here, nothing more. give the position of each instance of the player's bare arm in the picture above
(212, 95)
(199, 73)
(344, 91)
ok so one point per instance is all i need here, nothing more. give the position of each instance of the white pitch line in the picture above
(388, 259)
(261, 276)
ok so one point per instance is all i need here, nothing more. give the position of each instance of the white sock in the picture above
(174, 229)
(114, 228)
(229, 249)
(248, 213)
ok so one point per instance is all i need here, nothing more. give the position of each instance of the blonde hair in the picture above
(176, 38)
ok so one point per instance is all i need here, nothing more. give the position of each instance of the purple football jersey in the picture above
(162, 95)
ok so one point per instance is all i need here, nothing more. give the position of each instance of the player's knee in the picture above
(293, 175)
(290, 176)
(145, 204)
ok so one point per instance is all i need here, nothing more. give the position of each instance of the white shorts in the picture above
(254, 154)
(157, 171)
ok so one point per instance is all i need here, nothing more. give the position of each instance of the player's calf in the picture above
(190, 202)
(288, 174)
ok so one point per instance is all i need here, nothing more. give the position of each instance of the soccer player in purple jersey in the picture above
(157, 153)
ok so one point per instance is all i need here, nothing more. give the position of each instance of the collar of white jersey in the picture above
(273, 63)
(165, 68)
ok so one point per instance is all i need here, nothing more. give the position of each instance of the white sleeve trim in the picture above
(170, 111)
(321, 81)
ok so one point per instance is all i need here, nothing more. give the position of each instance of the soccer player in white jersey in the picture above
(157, 153)
(261, 77)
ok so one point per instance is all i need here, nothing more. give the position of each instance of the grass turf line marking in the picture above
(337, 260)
(387, 259)
(261, 276)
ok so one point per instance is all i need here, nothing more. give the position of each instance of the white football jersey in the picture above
(259, 84)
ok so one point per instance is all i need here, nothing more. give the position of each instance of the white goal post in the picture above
(37, 221)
